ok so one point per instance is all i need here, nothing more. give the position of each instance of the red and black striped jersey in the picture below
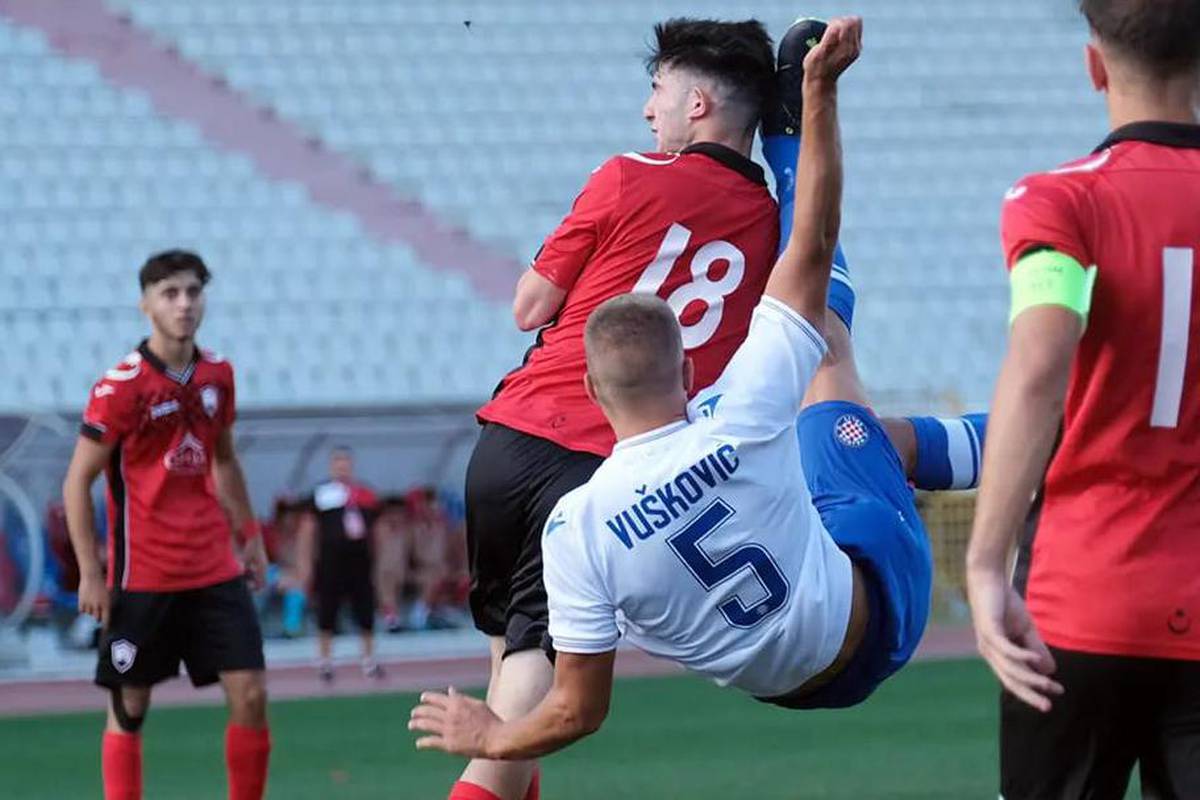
(167, 531)
(697, 228)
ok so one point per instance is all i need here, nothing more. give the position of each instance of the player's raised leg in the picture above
(854, 474)
(781, 149)
(936, 453)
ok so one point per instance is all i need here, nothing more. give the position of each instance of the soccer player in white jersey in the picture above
(799, 573)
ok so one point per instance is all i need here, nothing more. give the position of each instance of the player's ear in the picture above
(699, 102)
(689, 374)
(1093, 57)
(590, 388)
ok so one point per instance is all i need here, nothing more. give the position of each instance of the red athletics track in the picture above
(27, 698)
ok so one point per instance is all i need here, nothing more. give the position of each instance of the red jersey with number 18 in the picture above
(166, 529)
(699, 229)
(1116, 556)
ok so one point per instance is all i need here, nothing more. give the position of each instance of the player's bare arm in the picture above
(537, 301)
(87, 463)
(575, 706)
(231, 489)
(1026, 413)
(801, 275)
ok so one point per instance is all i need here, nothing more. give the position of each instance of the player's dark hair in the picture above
(1162, 36)
(169, 263)
(739, 55)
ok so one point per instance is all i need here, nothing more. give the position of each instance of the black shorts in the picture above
(212, 629)
(346, 577)
(514, 481)
(1115, 712)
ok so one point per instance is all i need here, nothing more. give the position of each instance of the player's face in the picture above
(667, 110)
(175, 305)
(341, 467)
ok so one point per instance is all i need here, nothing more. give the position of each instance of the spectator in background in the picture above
(285, 577)
(335, 558)
(392, 559)
(412, 555)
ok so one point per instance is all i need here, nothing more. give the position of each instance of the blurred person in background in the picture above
(336, 556)
(413, 543)
(288, 583)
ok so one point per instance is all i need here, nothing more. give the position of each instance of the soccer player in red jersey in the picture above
(1098, 645)
(693, 223)
(160, 426)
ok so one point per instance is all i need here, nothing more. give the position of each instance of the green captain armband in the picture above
(1051, 278)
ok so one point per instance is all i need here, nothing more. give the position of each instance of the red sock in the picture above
(463, 790)
(470, 791)
(535, 786)
(121, 763)
(246, 754)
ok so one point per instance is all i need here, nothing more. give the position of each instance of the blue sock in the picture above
(293, 612)
(949, 451)
(781, 153)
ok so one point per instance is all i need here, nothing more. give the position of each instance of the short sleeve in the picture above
(762, 387)
(571, 245)
(111, 411)
(1043, 212)
(582, 615)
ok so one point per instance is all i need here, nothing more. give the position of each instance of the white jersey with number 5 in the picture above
(699, 542)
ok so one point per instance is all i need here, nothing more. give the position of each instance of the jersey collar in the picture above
(731, 158)
(1169, 134)
(160, 365)
(651, 436)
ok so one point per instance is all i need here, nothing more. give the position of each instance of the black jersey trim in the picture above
(91, 432)
(179, 377)
(120, 529)
(731, 158)
(1169, 134)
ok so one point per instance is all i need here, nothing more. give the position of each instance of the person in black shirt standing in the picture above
(336, 541)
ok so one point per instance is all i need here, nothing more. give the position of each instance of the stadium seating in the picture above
(494, 126)
(311, 309)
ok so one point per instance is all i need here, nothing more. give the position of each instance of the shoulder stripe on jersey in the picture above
(1091, 165)
(654, 162)
(797, 319)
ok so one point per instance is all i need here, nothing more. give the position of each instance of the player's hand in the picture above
(455, 723)
(839, 47)
(94, 598)
(1008, 640)
(254, 560)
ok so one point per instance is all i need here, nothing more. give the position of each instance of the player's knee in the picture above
(129, 712)
(249, 703)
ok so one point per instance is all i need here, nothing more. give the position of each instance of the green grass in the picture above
(930, 732)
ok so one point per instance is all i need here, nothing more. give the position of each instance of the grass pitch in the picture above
(930, 732)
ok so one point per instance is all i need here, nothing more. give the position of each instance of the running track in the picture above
(29, 698)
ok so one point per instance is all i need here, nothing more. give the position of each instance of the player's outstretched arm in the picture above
(87, 463)
(575, 706)
(1024, 421)
(801, 275)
